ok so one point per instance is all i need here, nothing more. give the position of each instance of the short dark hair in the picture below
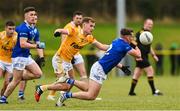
(9, 23)
(88, 19)
(28, 9)
(126, 31)
(77, 13)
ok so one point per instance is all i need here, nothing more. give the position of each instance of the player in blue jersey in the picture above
(117, 50)
(28, 38)
(40, 61)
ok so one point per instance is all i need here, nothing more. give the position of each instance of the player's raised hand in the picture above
(57, 34)
(40, 45)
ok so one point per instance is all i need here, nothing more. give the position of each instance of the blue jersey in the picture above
(29, 32)
(118, 49)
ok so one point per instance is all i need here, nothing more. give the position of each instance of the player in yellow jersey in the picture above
(8, 39)
(71, 45)
(77, 61)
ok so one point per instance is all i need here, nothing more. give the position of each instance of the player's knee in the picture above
(38, 76)
(6, 82)
(91, 96)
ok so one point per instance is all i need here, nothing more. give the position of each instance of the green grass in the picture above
(114, 94)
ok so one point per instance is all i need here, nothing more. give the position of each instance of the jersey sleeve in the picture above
(23, 32)
(91, 39)
(70, 29)
(127, 47)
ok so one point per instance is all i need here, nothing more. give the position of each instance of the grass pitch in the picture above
(114, 94)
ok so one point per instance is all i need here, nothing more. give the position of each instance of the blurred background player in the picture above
(77, 61)
(39, 60)
(144, 64)
(100, 69)
(8, 39)
(28, 38)
(159, 64)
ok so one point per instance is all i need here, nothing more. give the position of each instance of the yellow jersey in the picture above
(73, 42)
(6, 46)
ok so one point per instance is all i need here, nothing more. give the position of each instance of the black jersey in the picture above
(145, 50)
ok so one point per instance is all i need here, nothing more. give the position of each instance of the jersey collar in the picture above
(28, 25)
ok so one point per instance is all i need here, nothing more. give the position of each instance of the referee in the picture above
(144, 64)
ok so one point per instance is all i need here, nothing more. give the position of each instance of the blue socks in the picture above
(21, 94)
(3, 98)
(70, 81)
(68, 95)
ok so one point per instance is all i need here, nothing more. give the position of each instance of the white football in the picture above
(146, 38)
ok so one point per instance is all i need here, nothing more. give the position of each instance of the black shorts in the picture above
(143, 64)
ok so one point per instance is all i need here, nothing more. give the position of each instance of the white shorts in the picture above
(78, 59)
(97, 73)
(20, 63)
(59, 65)
(6, 66)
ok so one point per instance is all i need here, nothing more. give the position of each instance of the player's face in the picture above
(10, 30)
(88, 27)
(148, 25)
(31, 17)
(36, 18)
(77, 19)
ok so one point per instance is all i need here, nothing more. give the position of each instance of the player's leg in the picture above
(59, 67)
(22, 86)
(92, 92)
(80, 66)
(97, 76)
(33, 70)
(1, 75)
(136, 75)
(7, 77)
(150, 75)
(17, 77)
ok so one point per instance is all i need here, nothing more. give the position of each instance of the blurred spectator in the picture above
(173, 58)
(91, 58)
(178, 62)
(159, 64)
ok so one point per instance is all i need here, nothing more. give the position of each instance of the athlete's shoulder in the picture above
(69, 25)
(2, 34)
(90, 38)
(21, 27)
(15, 35)
(120, 43)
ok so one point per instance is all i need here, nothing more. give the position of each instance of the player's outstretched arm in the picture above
(58, 32)
(154, 55)
(101, 46)
(125, 69)
(135, 52)
(25, 44)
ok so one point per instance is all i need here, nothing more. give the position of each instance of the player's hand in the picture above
(57, 34)
(126, 70)
(40, 45)
(155, 58)
(139, 59)
(40, 61)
